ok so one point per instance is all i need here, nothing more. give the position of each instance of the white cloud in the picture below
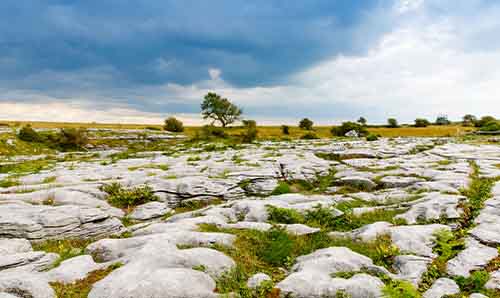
(214, 73)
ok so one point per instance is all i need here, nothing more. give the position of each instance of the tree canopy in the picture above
(219, 109)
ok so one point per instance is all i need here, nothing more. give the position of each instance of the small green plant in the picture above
(128, 198)
(474, 283)
(400, 289)
(284, 215)
(371, 137)
(66, 249)
(282, 188)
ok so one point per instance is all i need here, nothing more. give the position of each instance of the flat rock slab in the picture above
(313, 275)
(474, 257)
(47, 222)
(434, 206)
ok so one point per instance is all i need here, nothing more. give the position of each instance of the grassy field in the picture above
(269, 132)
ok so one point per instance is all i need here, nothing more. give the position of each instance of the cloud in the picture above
(389, 58)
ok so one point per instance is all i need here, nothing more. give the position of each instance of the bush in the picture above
(346, 127)
(484, 120)
(442, 120)
(173, 125)
(306, 124)
(491, 126)
(284, 215)
(474, 283)
(309, 136)
(70, 138)
(392, 122)
(282, 188)
(208, 132)
(371, 137)
(285, 129)
(421, 122)
(250, 133)
(127, 198)
(28, 134)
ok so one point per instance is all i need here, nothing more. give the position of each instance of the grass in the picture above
(66, 249)
(323, 218)
(150, 166)
(268, 132)
(267, 252)
(26, 167)
(81, 288)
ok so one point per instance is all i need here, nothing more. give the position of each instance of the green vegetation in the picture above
(392, 123)
(400, 289)
(371, 137)
(219, 109)
(421, 122)
(326, 219)
(81, 288)
(347, 127)
(66, 249)
(257, 251)
(306, 124)
(65, 139)
(121, 197)
(173, 125)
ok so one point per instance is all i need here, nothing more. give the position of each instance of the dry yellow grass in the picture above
(271, 132)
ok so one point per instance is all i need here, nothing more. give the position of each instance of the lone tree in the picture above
(362, 120)
(469, 120)
(219, 109)
(442, 120)
(392, 122)
(306, 124)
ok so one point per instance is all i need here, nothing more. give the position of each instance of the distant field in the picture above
(270, 132)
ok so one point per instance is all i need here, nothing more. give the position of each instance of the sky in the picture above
(132, 61)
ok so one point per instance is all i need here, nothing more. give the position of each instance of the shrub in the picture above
(250, 133)
(474, 283)
(392, 122)
(306, 124)
(28, 134)
(285, 129)
(442, 120)
(173, 125)
(208, 132)
(469, 120)
(491, 126)
(126, 198)
(284, 215)
(421, 122)
(70, 138)
(346, 127)
(362, 121)
(371, 137)
(282, 188)
(484, 120)
(309, 136)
